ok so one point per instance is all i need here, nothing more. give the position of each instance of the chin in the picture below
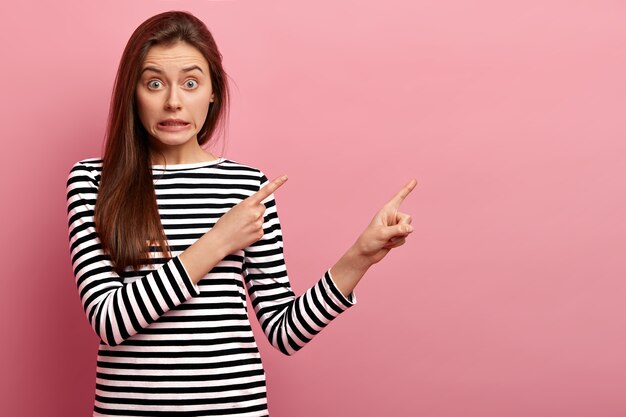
(172, 140)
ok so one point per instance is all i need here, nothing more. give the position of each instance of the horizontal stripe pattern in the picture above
(170, 347)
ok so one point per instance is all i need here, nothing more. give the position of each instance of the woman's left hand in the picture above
(388, 229)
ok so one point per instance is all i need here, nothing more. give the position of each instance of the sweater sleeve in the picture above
(289, 322)
(115, 310)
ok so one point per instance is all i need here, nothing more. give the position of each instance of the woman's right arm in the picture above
(117, 311)
(238, 228)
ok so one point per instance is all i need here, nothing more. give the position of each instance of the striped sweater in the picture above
(169, 346)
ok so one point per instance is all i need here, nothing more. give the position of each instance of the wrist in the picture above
(358, 256)
(357, 260)
(219, 244)
(349, 270)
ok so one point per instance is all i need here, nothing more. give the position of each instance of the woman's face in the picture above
(173, 94)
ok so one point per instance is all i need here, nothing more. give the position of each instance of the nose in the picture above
(172, 101)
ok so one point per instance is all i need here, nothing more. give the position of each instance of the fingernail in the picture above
(409, 228)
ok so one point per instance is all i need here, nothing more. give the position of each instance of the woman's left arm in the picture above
(290, 322)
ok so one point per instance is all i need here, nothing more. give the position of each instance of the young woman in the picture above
(162, 231)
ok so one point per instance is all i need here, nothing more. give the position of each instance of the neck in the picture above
(180, 156)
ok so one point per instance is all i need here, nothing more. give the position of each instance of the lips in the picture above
(173, 125)
(173, 122)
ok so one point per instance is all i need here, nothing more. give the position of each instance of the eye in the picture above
(154, 83)
(193, 84)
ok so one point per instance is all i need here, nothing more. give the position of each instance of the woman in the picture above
(159, 255)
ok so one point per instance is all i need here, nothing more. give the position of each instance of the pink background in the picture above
(508, 299)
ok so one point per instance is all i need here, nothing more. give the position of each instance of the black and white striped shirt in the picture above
(170, 346)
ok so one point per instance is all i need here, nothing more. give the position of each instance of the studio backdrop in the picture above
(508, 298)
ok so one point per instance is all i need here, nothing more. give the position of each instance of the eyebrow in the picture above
(188, 69)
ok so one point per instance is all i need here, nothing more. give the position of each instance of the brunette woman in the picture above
(161, 232)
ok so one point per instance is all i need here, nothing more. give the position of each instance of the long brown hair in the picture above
(126, 213)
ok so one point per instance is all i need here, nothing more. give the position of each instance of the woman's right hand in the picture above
(242, 225)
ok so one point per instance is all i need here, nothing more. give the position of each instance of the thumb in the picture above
(397, 230)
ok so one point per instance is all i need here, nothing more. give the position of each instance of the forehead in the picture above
(176, 55)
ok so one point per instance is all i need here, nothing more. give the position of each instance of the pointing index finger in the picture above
(401, 195)
(268, 189)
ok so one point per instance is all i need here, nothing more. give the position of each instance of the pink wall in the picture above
(508, 300)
